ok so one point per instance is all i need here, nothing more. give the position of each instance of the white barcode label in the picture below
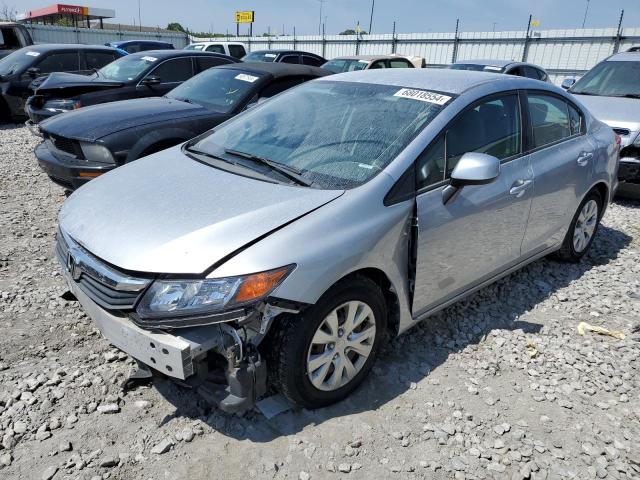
(422, 95)
(149, 59)
(246, 78)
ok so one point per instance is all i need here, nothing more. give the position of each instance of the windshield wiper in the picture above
(289, 172)
(630, 95)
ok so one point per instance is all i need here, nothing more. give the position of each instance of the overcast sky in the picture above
(410, 15)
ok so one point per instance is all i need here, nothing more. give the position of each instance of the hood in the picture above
(168, 213)
(96, 121)
(616, 112)
(57, 81)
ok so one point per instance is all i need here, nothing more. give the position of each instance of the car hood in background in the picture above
(617, 112)
(60, 80)
(96, 121)
(168, 213)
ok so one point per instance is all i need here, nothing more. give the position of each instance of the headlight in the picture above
(212, 295)
(97, 153)
(58, 105)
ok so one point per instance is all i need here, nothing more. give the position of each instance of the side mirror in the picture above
(150, 81)
(33, 72)
(472, 169)
(567, 83)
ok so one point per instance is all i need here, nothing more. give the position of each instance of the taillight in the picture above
(618, 139)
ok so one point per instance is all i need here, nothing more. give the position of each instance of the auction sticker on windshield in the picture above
(149, 59)
(33, 54)
(246, 78)
(422, 95)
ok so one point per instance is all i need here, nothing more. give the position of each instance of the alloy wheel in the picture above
(585, 226)
(341, 345)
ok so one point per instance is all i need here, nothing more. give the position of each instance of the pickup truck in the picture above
(12, 37)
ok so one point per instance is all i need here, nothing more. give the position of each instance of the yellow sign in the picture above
(535, 23)
(245, 17)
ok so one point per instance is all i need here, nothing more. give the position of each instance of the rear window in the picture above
(339, 65)
(260, 57)
(194, 46)
(99, 59)
(477, 67)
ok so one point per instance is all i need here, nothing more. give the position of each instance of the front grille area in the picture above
(67, 145)
(110, 288)
(622, 131)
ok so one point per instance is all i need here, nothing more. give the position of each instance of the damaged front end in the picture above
(176, 328)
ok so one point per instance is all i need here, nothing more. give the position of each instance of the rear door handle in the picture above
(584, 158)
(519, 187)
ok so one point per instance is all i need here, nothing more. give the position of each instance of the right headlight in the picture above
(95, 152)
(179, 298)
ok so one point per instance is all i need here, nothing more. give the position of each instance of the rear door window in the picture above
(174, 70)
(60, 62)
(549, 119)
(313, 61)
(237, 51)
(400, 63)
(290, 59)
(99, 59)
(216, 48)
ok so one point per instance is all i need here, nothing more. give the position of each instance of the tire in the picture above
(295, 349)
(570, 252)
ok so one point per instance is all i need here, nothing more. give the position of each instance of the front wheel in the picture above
(326, 352)
(582, 230)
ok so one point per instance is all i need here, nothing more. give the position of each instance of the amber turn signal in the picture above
(260, 284)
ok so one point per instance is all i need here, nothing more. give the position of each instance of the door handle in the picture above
(584, 158)
(519, 187)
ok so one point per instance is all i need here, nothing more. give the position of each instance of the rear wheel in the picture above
(326, 352)
(582, 230)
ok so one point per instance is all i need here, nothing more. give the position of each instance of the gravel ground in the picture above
(498, 386)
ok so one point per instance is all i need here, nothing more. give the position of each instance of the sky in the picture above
(410, 15)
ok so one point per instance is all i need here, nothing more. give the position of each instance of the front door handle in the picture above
(519, 187)
(584, 158)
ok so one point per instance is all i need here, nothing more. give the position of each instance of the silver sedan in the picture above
(294, 238)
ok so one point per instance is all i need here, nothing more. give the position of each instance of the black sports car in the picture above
(21, 67)
(145, 74)
(84, 144)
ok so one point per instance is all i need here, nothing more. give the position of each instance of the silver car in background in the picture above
(611, 91)
(508, 67)
(284, 246)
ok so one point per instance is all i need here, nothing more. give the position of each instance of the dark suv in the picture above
(20, 68)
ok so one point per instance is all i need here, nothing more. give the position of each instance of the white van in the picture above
(234, 49)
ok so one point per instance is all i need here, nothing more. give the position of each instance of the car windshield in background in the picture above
(477, 67)
(127, 68)
(194, 47)
(17, 61)
(339, 65)
(337, 135)
(260, 57)
(611, 79)
(218, 89)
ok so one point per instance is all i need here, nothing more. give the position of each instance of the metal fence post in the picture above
(525, 49)
(394, 39)
(616, 43)
(324, 42)
(294, 38)
(456, 40)
(357, 44)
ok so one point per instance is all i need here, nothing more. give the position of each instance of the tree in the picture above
(176, 27)
(8, 13)
(350, 31)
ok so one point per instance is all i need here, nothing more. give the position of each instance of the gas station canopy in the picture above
(76, 13)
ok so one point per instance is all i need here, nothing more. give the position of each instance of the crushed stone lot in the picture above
(500, 385)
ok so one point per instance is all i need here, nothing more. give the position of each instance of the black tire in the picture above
(567, 252)
(296, 332)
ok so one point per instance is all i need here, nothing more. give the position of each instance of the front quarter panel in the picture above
(354, 232)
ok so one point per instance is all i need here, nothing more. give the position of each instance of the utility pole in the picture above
(139, 20)
(373, 4)
(494, 26)
(586, 11)
(320, 17)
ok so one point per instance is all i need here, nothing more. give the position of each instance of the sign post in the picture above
(245, 17)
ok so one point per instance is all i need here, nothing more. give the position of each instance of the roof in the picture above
(214, 42)
(368, 57)
(625, 57)
(177, 53)
(126, 42)
(284, 50)
(278, 70)
(490, 62)
(440, 80)
(45, 47)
